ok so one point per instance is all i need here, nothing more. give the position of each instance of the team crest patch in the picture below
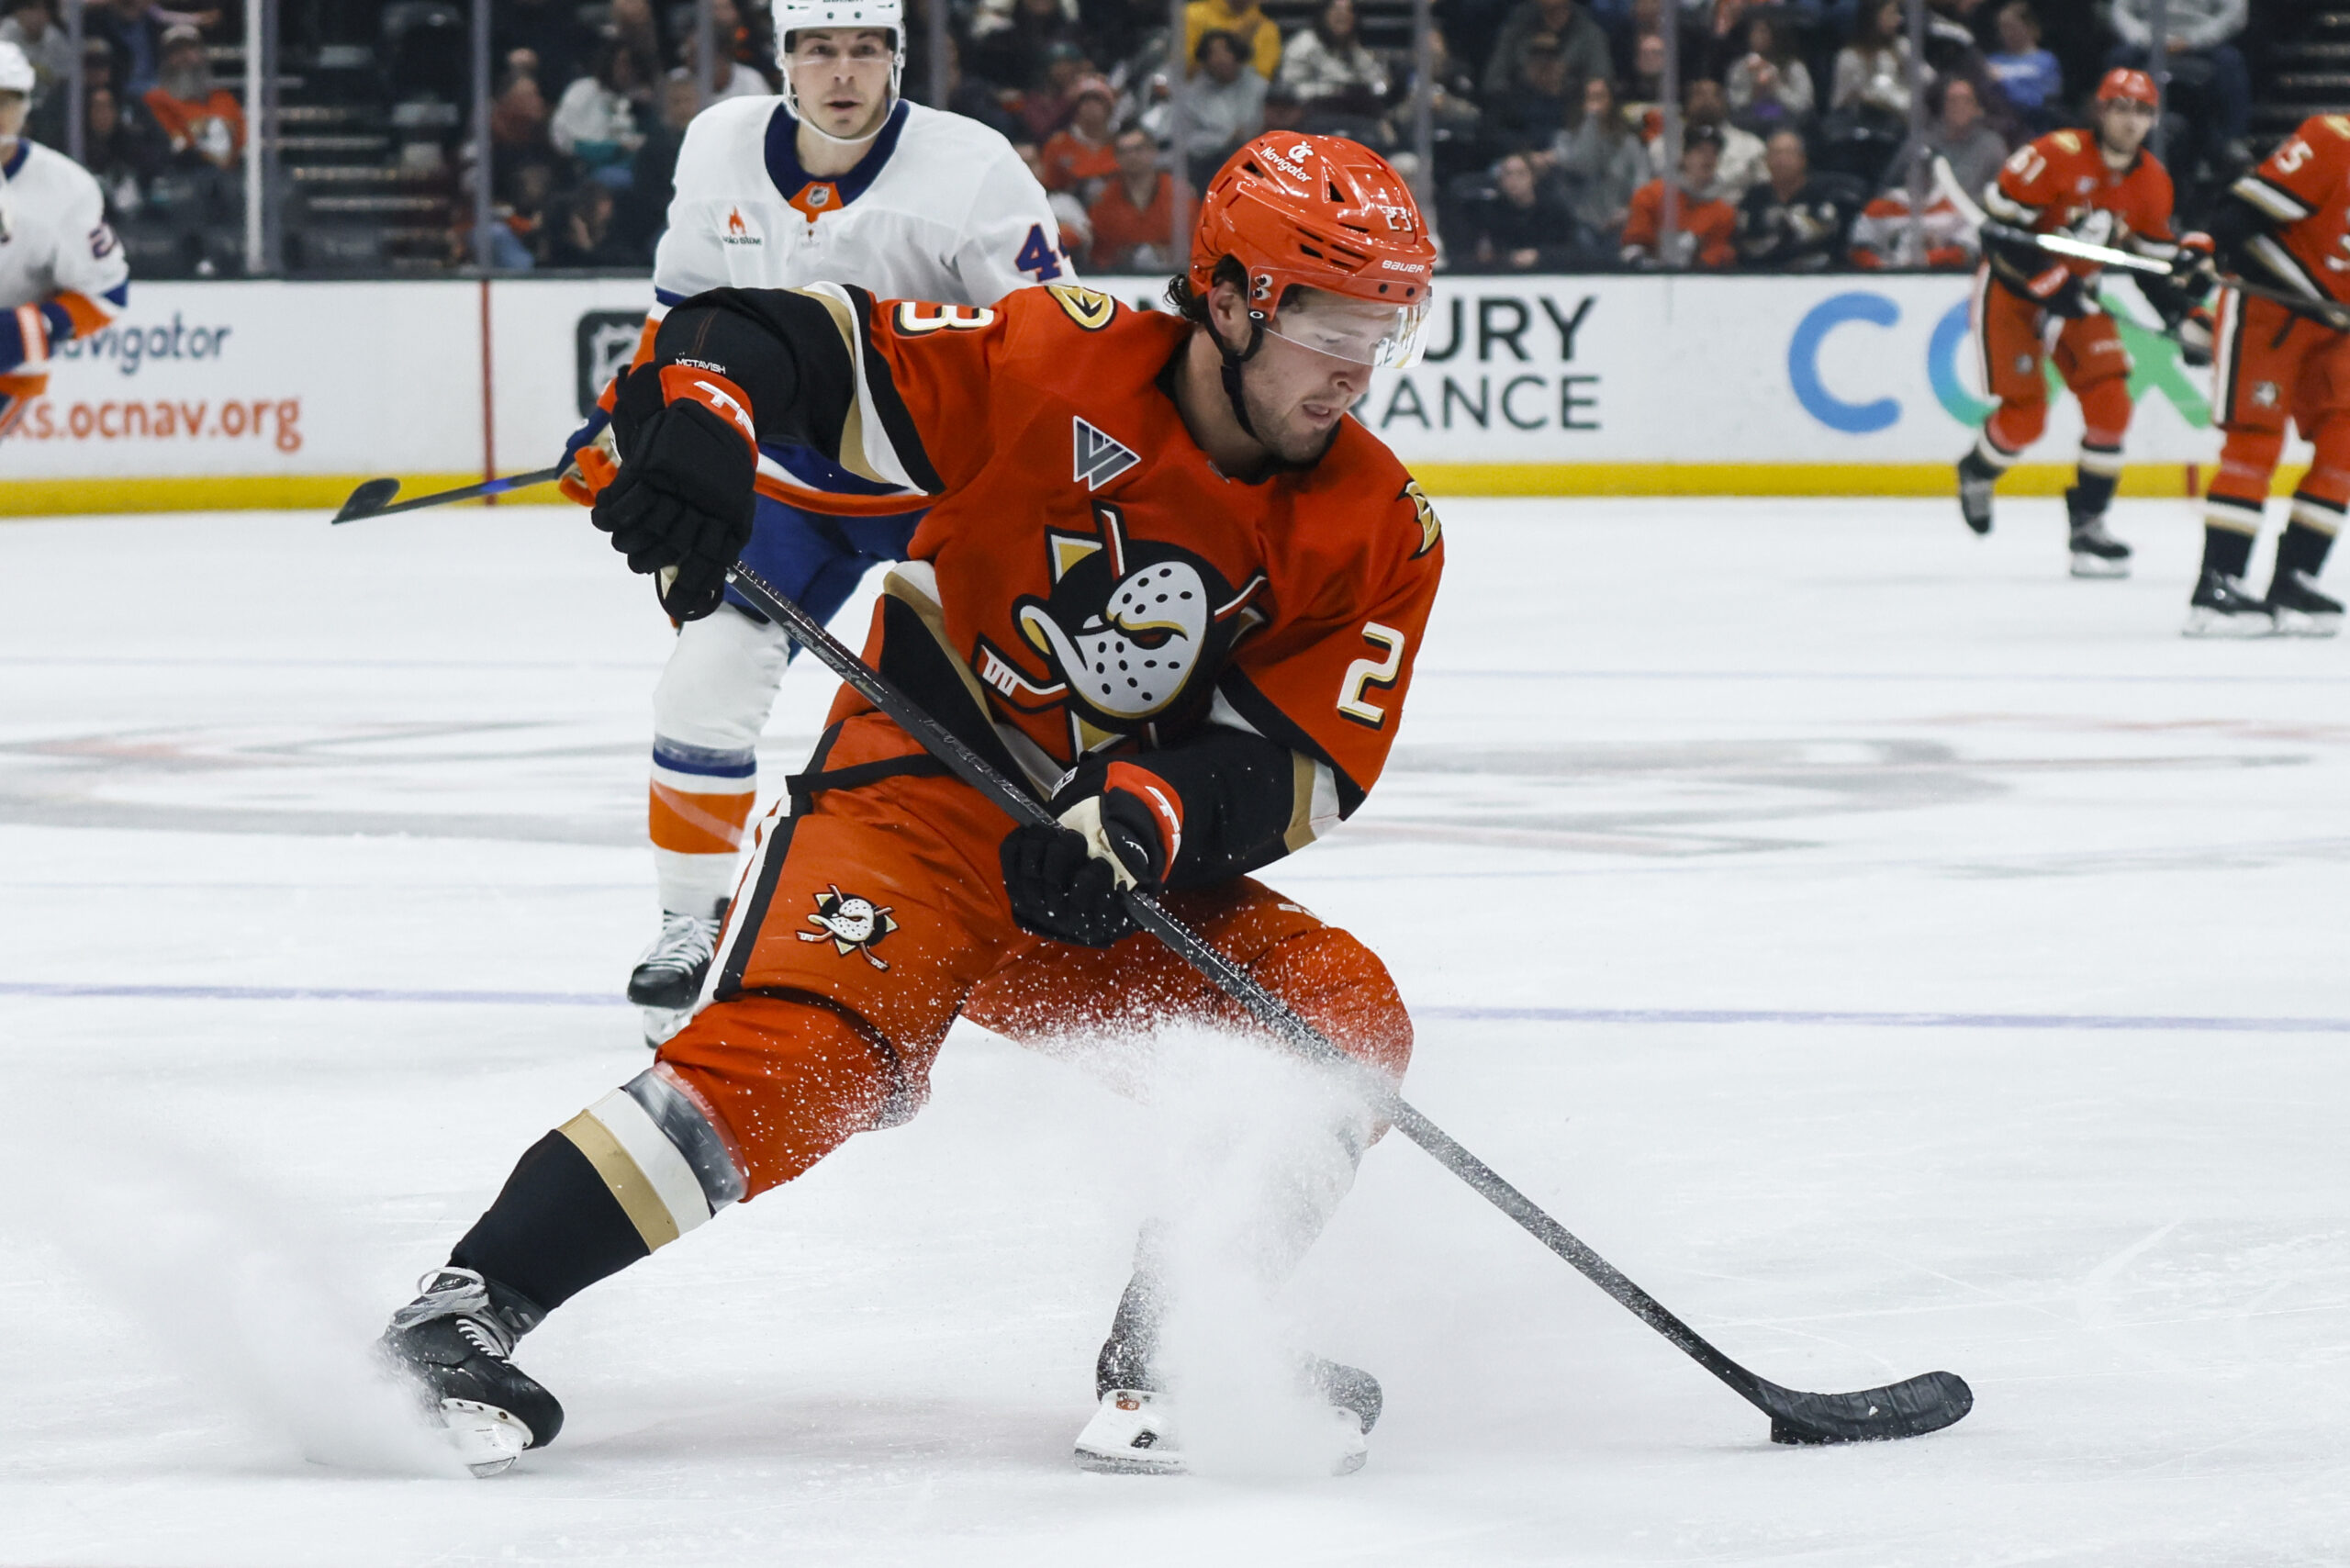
(1100, 458)
(2265, 393)
(851, 925)
(1431, 529)
(1088, 307)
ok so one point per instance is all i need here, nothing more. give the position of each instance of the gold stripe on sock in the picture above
(637, 1197)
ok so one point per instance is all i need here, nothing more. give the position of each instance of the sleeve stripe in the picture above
(2285, 265)
(876, 386)
(2005, 208)
(869, 447)
(2271, 199)
(1237, 691)
(667, 297)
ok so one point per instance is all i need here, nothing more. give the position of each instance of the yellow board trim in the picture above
(637, 1197)
(229, 492)
(2159, 479)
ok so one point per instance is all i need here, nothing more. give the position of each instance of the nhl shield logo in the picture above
(851, 925)
(1100, 458)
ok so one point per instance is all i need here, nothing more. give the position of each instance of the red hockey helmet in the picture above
(2123, 83)
(1320, 212)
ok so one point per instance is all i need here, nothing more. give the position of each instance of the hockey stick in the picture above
(369, 499)
(1905, 1409)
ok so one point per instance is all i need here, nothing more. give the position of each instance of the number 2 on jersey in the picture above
(1038, 256)
(1353, 702)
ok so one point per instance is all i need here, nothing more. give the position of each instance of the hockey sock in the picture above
(628, 1175)
(2092, 489)
(2302, 549)
(2226, 550)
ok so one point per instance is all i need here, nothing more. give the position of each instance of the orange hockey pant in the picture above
(2270, 366)
(2017, 342)
(874, 915)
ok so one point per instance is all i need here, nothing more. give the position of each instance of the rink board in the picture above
(229, 395)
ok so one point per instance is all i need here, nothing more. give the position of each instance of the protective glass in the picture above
(1357, 330)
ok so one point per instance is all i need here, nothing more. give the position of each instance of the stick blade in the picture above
(1910, 1408)
(368, 499)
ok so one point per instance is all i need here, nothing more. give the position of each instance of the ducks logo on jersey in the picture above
(851, 925)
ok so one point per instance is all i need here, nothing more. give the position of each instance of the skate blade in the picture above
(2086, 566)
(486, 1439)
(2201, 623)
(2299, 623)
(662, 1024)
(1129, 1461)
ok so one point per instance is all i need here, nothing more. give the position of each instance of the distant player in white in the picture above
(62, 273)
(840, 180)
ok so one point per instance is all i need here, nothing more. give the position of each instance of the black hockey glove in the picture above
(1067, 879)
(683, 498)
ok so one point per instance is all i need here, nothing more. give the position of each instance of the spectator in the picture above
(974, 99)
(201, 123)
(1452, 92)
(1579, 38)
(1134, 218)
(2028, 74)
(653, 175)
(1077, 228)
(1873, 71)
(1704, 105)
(1601, 159)
(550, 29)
(1523, 224)
(1327, 69)
(133, 31)
(595, 122)
(2205, 66)
(729, 77)
(30, 27)
(1769, 86)
(1882, 236)
(123, 150)
(526, 235)
(1012, 43)
(1644, 86)
(1532, 113)
(1709, 226)
(1721, 38)
(518, 118)
(1224, 106)
(1961, 135)
(633, 29)
(587, 237)
(1079, 157)
(1790, 222)
(1047, 105)
(1259, 39)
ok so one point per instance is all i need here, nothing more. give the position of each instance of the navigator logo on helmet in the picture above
(849, 15)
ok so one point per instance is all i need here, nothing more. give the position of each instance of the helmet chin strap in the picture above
(1231, 363)
(791, 98)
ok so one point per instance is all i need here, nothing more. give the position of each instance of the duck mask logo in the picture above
(1128, 625)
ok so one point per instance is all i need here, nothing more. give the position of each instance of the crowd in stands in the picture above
(1548, 150)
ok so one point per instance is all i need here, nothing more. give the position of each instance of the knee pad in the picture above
(2105, 411)
(719, 683)
(2015, 426)
(1340, 986)
(788, 1080)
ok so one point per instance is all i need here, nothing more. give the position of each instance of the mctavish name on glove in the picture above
(1067, 879)
(683, 498)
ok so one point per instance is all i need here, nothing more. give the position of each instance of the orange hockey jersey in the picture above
(1088, 584)
(2061, 181)
(2303, 187)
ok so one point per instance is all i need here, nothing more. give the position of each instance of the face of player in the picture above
(12, 115)
(2123, 125)
(1309, 372)
(842, 77)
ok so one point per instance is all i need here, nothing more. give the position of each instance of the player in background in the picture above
(63, 274)
(2106, 189)
(1165, 580)
(841, 180)
(2286, 223)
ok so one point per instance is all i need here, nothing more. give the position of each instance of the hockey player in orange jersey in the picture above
(1166, 580)
(2030, 304)
(2286, 223)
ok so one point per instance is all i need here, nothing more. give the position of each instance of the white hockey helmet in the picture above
(791, 15)
(17, 72)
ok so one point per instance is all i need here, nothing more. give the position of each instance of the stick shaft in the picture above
(496, 487)
(1244, 988)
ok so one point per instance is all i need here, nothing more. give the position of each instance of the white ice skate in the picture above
(668, 980)
(1133, 1433)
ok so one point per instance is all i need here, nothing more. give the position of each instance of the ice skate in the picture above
(2096, 552)
(1977, 480)
(1135, 1431)
(2221, 607)
(455, 1342)
(2299, 610)
(668, 976)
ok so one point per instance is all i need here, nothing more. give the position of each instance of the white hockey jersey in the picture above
(62, 270)
(939, 208)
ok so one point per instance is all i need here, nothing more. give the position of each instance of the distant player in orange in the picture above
(2287, 224)
(2029, 304)
(1167, 581)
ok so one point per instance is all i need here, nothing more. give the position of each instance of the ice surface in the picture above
(1890, 952)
